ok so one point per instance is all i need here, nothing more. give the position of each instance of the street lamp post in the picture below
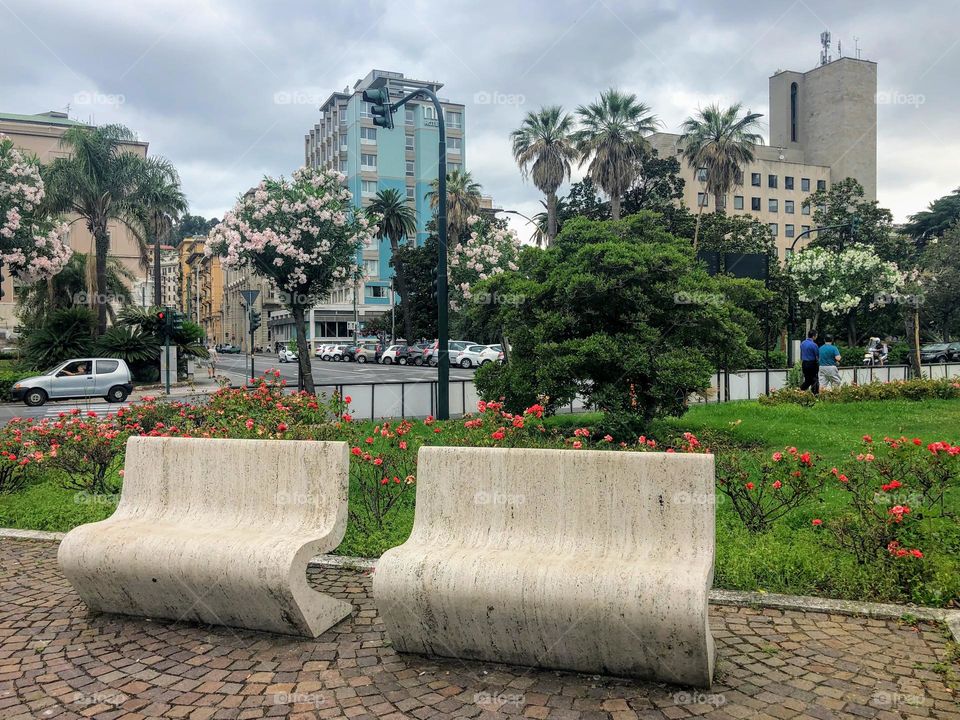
(382, 110)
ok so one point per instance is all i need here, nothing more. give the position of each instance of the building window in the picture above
(755, 204)
(376, 291)
(455, 145)
(821, 184)
(368, 188)
(772, 205)
(738, 202)
(788, 230)
(804, 209)
(788, 206)
(771, 181)
(371, 268)
(793, 112)
(805, 184)
(702, 199)
(454, 119)
(410, 145)
(410, 194)
(365, 111)
(702, 174)
(773, 229)
(411, 168)
(755, 179)
(408, 116)
(805, 228)
(429, 112)
(788, 182)
(454, 167)
(368, 135)
(368, 162)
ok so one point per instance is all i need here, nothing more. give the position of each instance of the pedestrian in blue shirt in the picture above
(810, 362)
(829, 358)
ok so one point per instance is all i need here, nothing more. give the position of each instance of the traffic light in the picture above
(254, 316)
(379, 98)
(854, 225)
(163, 321)
(176, 321)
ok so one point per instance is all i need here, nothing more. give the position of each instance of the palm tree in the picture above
(721, 141)
(541, 222)
(397, 220)
(463, 200)
(544, 144)
(98, 182)
(156, 207)
(612, 139)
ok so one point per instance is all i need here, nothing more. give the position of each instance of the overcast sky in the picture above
(200, 80)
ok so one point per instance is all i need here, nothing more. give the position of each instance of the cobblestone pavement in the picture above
(56, 661)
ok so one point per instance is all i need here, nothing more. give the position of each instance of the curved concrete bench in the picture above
(592, 561)
(217, 531)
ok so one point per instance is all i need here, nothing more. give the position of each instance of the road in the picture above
(237, 367)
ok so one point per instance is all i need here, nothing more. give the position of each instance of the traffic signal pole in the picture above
(382, 111)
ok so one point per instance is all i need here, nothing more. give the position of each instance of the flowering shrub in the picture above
(764, 491)
(836, 282)
(32, 244)
(486, 251)
(19, 454)
(914, 389)
(383, 468)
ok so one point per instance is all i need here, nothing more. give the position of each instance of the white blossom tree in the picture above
(302, 234)
(484, 251)
(836, 283)
(32, 242)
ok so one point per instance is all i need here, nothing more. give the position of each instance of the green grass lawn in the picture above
(792, 557)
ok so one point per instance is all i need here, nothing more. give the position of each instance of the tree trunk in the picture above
(914, 316)
(696, 229)
(717, 203)
(303, 351)
(852, 328)
(102, 240)
(401, 278)
(615, 207)
(552, 217)
(157, 294)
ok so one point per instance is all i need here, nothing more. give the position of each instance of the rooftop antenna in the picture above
(839, 49)
(856, 47)
(825, 42)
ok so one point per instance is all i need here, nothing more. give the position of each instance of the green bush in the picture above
(915, 389)
(65, 334)
(8, 378)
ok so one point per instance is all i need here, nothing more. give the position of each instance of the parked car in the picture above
(475, 356)
(453, 347)
(229, 349)
(940, 352)
(333, 352)
(366, 352)
(395, 355)
(285, 355)
(415, 353)
(92, 377)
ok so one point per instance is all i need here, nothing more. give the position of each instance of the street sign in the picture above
(250, 296)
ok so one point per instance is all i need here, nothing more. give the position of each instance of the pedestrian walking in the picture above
(810, 363)
(829, 357)
(212, 358)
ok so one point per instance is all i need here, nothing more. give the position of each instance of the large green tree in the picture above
(98, 180)
(397, 221)
(597, 315)
(941, 293)
(720, 141)
(419, 303)
(611, 141)
(463, 201)
(940, 215)
(543, 148)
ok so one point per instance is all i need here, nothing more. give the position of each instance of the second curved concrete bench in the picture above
(217, 531)
(593, 561)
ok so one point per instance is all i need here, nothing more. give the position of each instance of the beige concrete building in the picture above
(40, 135)
(169, 276)
(823, 129)
(202, 288)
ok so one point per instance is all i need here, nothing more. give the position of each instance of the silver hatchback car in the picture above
(108, 378)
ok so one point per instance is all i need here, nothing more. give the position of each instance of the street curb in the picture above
(728, 598)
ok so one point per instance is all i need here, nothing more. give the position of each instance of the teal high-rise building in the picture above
(372, 158)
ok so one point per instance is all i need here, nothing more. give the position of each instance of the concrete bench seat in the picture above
(217, 531)
(592, 561)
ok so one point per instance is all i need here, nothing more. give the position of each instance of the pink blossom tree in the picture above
(32, 242)
(485, 250)
(302, 234)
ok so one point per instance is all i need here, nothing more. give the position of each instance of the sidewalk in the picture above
(200, 385)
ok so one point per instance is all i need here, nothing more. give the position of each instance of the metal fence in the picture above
(751, 384)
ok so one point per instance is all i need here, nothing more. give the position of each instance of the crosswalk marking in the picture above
(101, 409)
